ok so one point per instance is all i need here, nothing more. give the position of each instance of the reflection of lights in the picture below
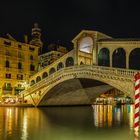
(109, 115)
(105, 115)
(115, 111)
(100, 115)
(128, 108)
(96, 115)
(25, 125)
(9, 121)
(118, 115)
(131, 116)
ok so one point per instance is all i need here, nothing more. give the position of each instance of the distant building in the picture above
(18, 61)
(55, 52)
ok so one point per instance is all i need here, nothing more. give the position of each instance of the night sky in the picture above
(63, 19)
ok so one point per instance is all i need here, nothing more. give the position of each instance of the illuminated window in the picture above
(19, 85)
(19, 77)
(8, 76)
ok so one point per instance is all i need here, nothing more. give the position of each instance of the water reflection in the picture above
(25, 126)
(113, 116)
(70, 123)
(131, 116)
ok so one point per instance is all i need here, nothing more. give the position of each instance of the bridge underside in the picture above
(74, 92)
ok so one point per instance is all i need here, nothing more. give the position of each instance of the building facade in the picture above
(18, 61)
(55, 52)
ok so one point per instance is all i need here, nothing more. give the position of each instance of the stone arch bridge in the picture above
(97, 64)
(39, 93)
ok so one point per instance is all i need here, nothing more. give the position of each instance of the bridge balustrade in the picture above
(101, 71)
(54, 64)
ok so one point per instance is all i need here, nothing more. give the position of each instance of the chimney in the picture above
(25, 38)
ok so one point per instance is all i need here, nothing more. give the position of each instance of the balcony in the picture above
(7, 90)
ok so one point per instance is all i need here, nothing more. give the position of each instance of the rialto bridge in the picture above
(97, 64)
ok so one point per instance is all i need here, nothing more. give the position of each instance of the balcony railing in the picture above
(7, 88)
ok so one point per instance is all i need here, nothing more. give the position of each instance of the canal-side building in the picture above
(55, 52)
(18, 61)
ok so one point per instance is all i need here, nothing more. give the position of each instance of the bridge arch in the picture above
(44, 75)
(38, 78)
(104, 57)
(79, 91)
(127, 90)
(32, 82)
(134, 59)
(119, 58)
(60, 66)
(69, 62)
(51, 71)
(86, 44)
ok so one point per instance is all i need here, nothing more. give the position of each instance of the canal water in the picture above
(100, 122)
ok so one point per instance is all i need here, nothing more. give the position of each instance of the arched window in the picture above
(45, 74)
(86, 45)
(119, 58)
(32, 83)
(60, 66)
(38, 79)
(32, 67)
(7, 64)
(19, 65)
(52, 70)
(31, 57)
(69, 62)
(81, 63)
(104, 57)
(134, 59)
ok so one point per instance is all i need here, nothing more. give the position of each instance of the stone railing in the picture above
(79, 71)
(116, 71)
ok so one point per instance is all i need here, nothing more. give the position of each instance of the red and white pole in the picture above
(137, 100)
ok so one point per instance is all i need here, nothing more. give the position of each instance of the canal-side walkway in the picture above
(16, 105)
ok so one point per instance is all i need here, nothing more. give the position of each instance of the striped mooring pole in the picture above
(137, 100)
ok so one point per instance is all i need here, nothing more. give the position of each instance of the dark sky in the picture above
(64, 19)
